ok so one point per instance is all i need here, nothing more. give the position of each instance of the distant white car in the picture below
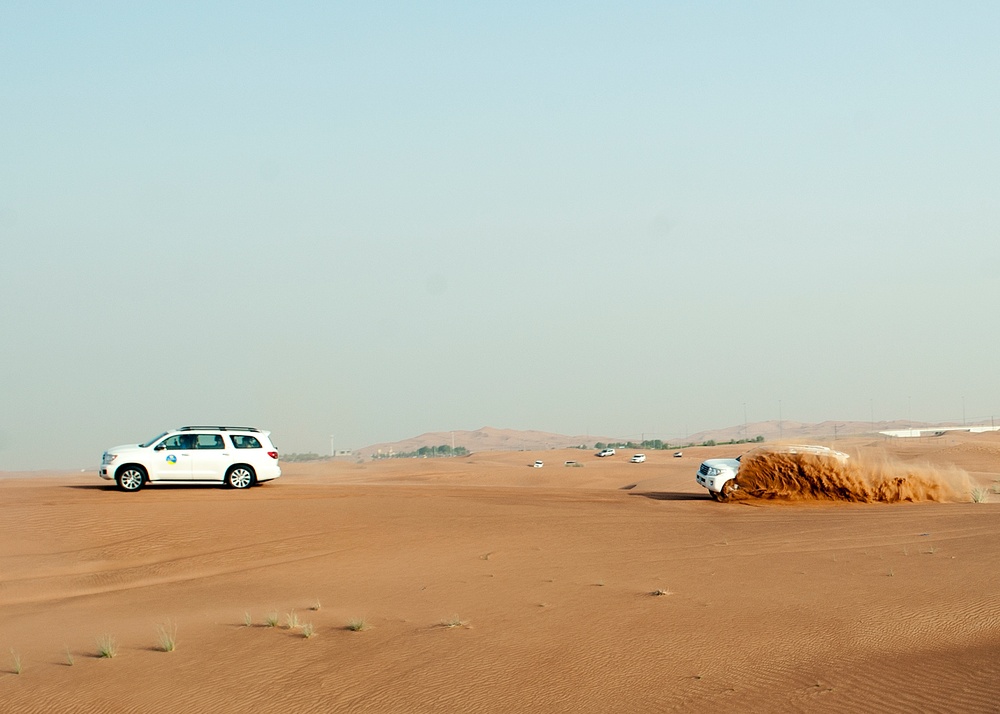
(606, 452)
(719, 475)
(638, 458)
(538, 464)
(678, 454)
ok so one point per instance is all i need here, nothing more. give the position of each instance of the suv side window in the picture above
(209, 441)
(177, 442)
(241, 441)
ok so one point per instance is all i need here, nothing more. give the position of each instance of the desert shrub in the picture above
(166, 636)
(107, 647)
(357, 624)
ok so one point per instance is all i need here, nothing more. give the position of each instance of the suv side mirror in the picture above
(159, 447)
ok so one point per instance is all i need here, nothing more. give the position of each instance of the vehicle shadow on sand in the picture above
(672, 496)
(158, 487)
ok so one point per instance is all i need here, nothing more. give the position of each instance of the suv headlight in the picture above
(108, 458)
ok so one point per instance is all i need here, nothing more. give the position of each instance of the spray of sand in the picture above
(805, 477)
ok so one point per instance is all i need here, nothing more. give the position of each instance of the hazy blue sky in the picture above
(372, 220)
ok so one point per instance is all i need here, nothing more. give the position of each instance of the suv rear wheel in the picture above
(241, 476)
(130, 478)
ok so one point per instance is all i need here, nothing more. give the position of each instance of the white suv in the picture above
(719, 476)
(238, 456)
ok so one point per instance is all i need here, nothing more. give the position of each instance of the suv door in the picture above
(211, 458)
(174, 456)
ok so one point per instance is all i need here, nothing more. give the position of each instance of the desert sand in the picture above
(483, 585)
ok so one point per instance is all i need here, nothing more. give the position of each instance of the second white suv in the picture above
(237, 456)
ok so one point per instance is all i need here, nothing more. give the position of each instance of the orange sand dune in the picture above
(489, 586)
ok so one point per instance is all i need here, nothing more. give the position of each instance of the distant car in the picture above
(538, 464)
(678, 454)
(638, 458)
(606, 452)
(237, 456)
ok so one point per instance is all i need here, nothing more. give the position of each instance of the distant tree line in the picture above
(659, 445)
(712, 442)
(294, 457)
(426, 452)
(648, 444)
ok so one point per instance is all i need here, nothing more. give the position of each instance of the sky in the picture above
(350, 223)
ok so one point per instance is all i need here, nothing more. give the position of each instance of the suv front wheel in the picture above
(241, 476)
(130, 478)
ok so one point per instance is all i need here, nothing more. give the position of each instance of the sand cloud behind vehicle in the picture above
(802, 477)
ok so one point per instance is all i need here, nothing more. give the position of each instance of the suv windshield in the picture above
(150, 442)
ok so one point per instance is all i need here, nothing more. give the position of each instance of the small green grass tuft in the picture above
(661, 593)
(247, 619)
(454, 621)
(69, 658)
(980, 495)
(316, 606)
(166, 636)
(308, 631)
(358, 624)
(107, 647)
(271, 619)
(291, 621)
(15, 659)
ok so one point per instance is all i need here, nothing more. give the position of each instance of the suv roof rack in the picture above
(218, 428)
